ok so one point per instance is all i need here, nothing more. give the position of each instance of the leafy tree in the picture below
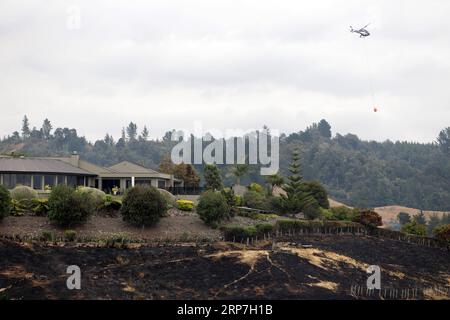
(420, 218)
(433, 222)
(369, 218)
(36, 134)
(275, 180)
(145, 134)
(166, 165)
(442, 232)
(318, 192)
(25, 128)
(444, 140)
(132, 131)
(239, 171)
(414, 228)
(324, 128)
(403, 218)
(46, 129)
(188, 174)
(213, 180)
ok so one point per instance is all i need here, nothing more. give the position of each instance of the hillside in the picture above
(357, 172)
(331, 268)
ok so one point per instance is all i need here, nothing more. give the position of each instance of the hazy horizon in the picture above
(167, 65)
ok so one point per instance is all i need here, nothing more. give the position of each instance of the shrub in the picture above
(228, 193)
(143, 206)
(297, 225)
(70, 235)
(47, 235)
(255, 200)
(98, 196)
(212, 207)
(238, 200)
(344, 213)
(17, 208)
(68, 207)
(40, 207)
(414, 228)
(264, 228)
(318, 192)
(185, 205)
(287, 225)
(369, 218)
(239, 233)
(311, 210)
(442, 232)
(110, 205)
(5, 202)
(256, 188)
(326, 213)
(23, 193)
(170, 198)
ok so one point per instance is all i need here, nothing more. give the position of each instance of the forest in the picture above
(356, 172)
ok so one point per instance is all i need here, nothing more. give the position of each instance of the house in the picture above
(39, 172)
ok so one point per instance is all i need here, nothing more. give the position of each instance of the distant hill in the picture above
(389, 213)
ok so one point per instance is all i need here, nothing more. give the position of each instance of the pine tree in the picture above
(132, 131)
(46, 129)
(324, 128)
(293, 186)
(213, 180)
(25, 128)
(296, 200)
(145, 134)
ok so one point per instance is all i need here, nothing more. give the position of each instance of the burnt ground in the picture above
(326, 270)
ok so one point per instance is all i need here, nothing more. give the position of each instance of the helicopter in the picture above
(362, 32)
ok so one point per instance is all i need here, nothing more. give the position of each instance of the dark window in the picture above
(142, 182)
(161, 184)
(9, 180)
(80, 181)
(49, 181)
(37, 182)
(61, 180)
(72, 181)
(24, 179)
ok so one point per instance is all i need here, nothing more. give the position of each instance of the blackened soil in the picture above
(329, 269)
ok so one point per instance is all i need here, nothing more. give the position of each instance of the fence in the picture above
(185, 190)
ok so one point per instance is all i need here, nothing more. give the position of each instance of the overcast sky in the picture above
(228, 64)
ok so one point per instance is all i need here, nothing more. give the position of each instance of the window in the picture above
(161, 184)
(37, 182)
(72, 181)
(61, 180)
(80, 181)
(9, 180)
(23, 179)
(49, 181)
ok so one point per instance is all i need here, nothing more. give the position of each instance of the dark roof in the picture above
(39, 165)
